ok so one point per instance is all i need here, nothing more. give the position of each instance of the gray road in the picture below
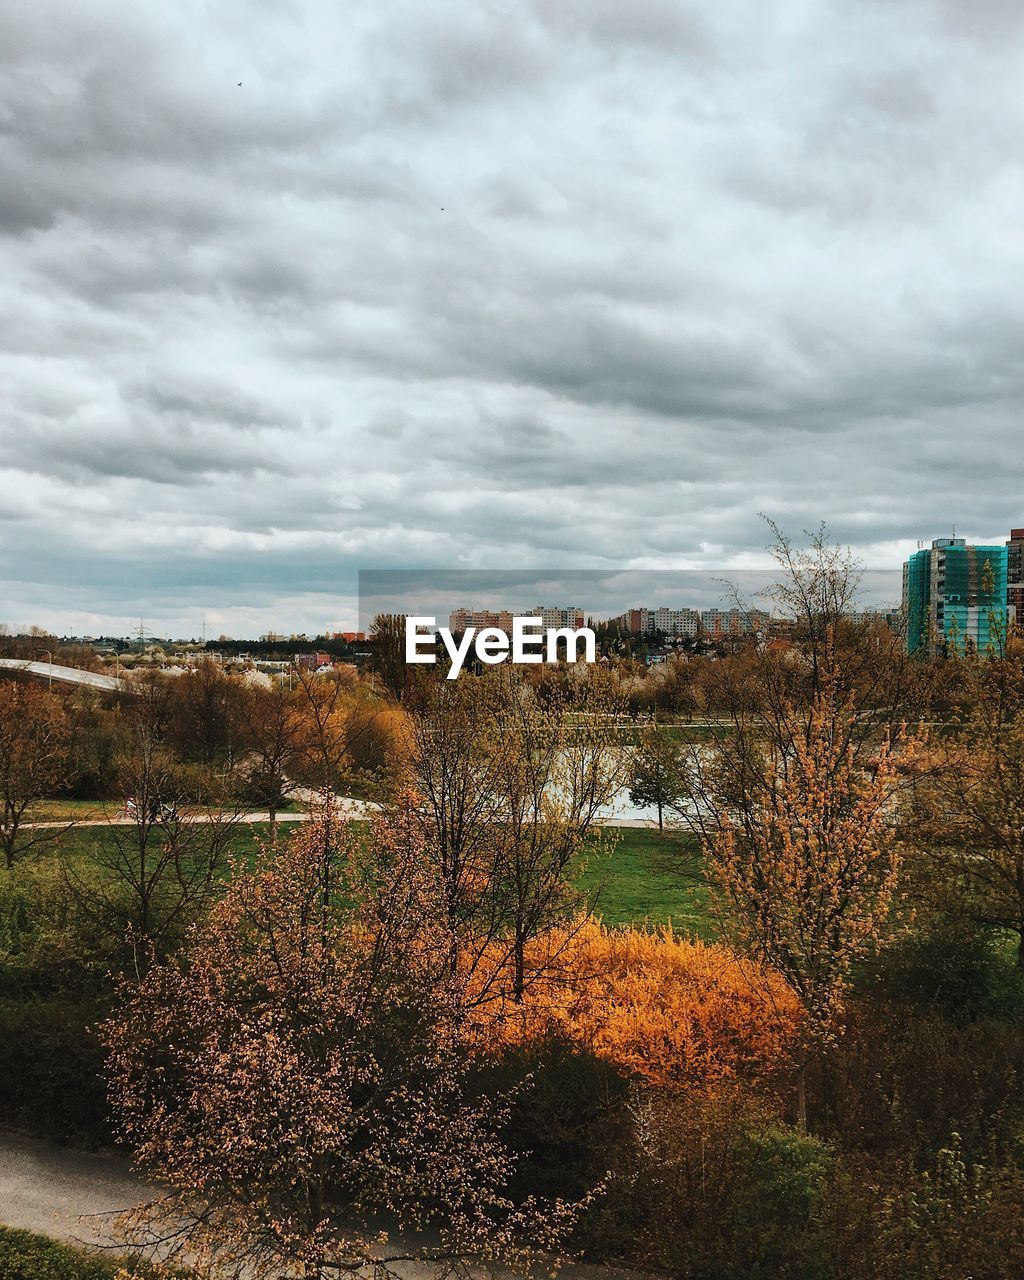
(51, 671)
(71, 1195)
(65, 1194)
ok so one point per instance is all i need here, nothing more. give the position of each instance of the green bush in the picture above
(775, 1223)
(24, 1256)
(50, 1065)
(962, 975)
(564, 1120)
(716, 1188)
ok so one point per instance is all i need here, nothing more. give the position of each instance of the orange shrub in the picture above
(669, 1009)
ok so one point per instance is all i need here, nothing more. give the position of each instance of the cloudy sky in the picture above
(293, 289)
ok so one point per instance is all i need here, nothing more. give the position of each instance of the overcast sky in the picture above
(293, 289)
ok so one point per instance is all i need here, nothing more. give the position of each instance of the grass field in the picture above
(73, 810)
(633, 875)
(648, 878)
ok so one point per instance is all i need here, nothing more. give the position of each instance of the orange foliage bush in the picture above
(668, 1009)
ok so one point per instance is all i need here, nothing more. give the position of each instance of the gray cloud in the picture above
(484, 284)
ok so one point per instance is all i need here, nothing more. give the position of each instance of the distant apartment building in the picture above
(717, 624)
(312, 661)
(556, 615)
(891, 618)
(1015, 576)
(460, 619)
(550, 616)
(955, 597)
(677, 623)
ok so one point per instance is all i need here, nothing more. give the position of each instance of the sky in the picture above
(290, 290)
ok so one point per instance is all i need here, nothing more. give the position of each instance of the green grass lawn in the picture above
(73, 810)
(635, 875)
(643, 877)
(83, 842)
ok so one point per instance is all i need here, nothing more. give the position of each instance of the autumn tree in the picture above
(659, 771)
(296, 1081)
(964, 821)
(35, 740)
(805, 873)
(337, 711)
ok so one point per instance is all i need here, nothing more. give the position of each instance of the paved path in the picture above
(65, 1194)
(71, 1195)
(350, 809)
(51, 671)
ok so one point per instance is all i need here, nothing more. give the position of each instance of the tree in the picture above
(566, 767)
(459, 761)
(510, 789)
(296, 1080)
(659, 771)
(329, 705)
(272, 729)
(388, 636)
(965, 818)
(159, 870)
(797, 754)
(35, 740)
(202, 714)
(805, 874)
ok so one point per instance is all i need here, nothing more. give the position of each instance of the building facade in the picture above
(460, 619)
(1015, 576)
(954, 597)
(557, 616)
(676, 623)
(550, 615)
(719, 623)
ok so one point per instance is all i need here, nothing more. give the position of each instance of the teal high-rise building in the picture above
(954, 597)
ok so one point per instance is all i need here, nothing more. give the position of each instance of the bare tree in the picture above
(510, 791)
(155, 871)
(272, 729)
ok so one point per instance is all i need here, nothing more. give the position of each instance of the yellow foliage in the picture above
(669, 1009)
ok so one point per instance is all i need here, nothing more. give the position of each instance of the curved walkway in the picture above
(72, 1196)
(69, 1195)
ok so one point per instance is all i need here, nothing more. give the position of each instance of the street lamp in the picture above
(49, 677)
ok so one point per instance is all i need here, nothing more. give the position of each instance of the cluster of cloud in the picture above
(292, 289)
